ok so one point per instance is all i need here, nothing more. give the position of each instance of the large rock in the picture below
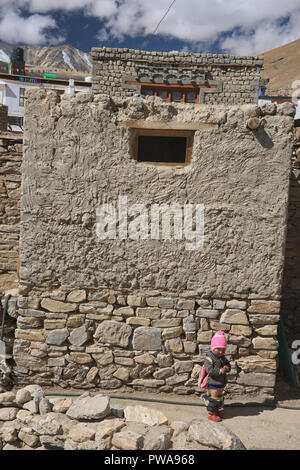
(81, 432)
(214, 435)
(89, 407)
(7, 398)
(264, 306)
(127, 440)
(147, 339)
(58, 307)
(234, 317)
(257, 379)
(57, 337)
(78, 295)
(47, 424)
(52, 443)
(257, 364)
(23, 396)
(28, 437)
(108, 427)
(79, 336)
(63, 405)
(258, 319)
(158, 438)
(8, 414)
(265, 343)
(114, 333)
(144, 415)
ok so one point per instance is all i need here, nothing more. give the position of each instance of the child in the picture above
(216, 366)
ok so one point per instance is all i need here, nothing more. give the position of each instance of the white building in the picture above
(12, 89)
(279, 100)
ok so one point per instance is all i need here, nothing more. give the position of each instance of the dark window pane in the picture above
(161, 149)
(163, 94)
(177, 95)
(191, 97)
(148, 92)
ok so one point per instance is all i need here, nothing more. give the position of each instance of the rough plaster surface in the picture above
(76, 158)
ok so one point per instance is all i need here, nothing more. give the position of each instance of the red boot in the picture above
(214, 417)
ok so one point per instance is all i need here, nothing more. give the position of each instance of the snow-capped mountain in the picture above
(63, 57)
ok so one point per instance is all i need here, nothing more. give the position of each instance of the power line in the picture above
(145, 43)
(164, 16)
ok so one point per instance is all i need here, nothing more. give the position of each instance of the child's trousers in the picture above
(214, 404)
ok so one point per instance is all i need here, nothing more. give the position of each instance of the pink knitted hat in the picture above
(219, 340)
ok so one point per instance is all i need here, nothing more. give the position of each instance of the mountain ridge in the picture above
(63, 57)
(282, 68)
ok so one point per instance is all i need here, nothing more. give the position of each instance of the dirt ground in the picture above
(259, 427)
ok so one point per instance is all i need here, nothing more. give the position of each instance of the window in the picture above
(191, 97)
(21, 96)
(162, 94)
(162, 147)
(148, 92)
(177, 96)
(175, 93)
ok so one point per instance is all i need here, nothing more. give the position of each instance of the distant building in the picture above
(14, 81)
(279, 99)
(177, 76)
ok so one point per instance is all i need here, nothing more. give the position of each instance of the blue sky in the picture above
(221, 26)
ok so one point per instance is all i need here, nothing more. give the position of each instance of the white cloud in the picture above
(202, 23)
(31, 30)
(253, 26)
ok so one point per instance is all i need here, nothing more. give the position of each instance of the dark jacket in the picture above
(213, 369)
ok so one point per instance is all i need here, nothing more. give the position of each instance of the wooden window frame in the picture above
(170, 89)
(164, 133)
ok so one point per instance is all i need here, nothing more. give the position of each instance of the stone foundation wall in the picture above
(114, 339)
(236, 78)
(10, 194)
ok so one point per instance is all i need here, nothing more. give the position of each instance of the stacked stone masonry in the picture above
(108, 339)
(30, 421)
(10, 194)
(236, 78)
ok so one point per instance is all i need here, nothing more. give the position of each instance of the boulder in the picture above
(145, 415)
(7, 399)
(158, 438)
(8, 414)
(46, 424)
(23, 396)
(127, 440)
(63, 405)
(108, 427)
(214, 435)
(89, 407)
